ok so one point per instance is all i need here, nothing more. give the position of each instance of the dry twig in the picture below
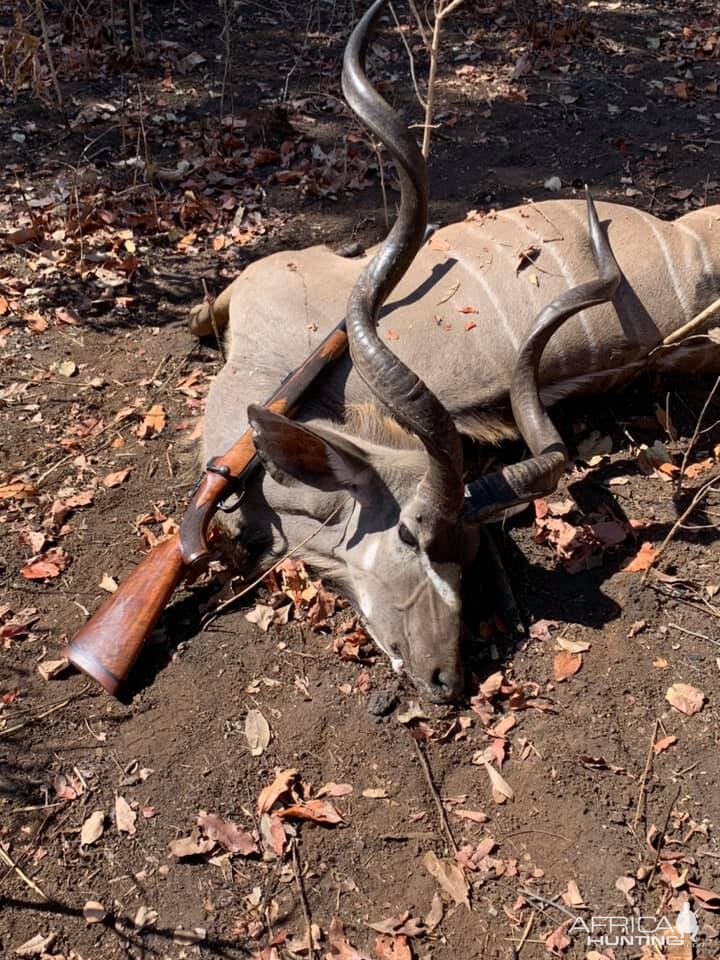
(697, 499)
(693, 440)
(40, 12)
(443, 8)
(646, 771)
(661, 837)
(424, 763)
(312, 953)
(28, 881)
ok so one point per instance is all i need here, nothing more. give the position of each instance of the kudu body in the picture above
(388, 469)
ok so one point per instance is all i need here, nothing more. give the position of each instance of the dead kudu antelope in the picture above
(375, 466)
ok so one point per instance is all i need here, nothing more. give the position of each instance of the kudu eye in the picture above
(407, 536)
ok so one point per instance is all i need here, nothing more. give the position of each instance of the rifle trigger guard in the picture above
(239, 497)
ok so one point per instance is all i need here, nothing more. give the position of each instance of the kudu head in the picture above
(408, 530)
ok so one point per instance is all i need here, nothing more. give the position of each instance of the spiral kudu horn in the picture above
(400, 390)
(540, 474)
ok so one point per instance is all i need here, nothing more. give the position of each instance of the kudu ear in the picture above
(321, 458)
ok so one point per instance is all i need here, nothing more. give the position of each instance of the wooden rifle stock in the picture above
(110, 642)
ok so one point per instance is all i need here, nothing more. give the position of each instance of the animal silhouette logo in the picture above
(686, 922)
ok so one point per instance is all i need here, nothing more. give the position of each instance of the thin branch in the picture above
(646, 771)
(690, 326)
(7, 859)
(40, 11)
(661, 837)
(693, 439)
(420, 24)
(698, 498)
(312, 952)
(424, 763)
(441, 11)
(411, 60)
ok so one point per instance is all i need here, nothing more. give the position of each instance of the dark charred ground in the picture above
(621, 95)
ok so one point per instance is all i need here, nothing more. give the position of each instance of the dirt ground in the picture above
(111, 220)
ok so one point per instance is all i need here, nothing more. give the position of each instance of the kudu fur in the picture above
(377, 451)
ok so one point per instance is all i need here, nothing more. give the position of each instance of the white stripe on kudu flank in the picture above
(500, 310)
(678, 287)
(699, 242)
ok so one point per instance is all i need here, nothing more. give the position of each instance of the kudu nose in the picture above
(446, 685)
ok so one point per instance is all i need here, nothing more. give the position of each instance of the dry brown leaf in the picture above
(319, 811)
(192, 846)
(49, 669)
(257, 732)
(501, 789)
(572, 896)
(664, 743)
(696, 470)
(271, 794)
(435, 915)
(17, 490)
(153, 423)
(116, 478)
(92, 829)
(503, 726)
(37, 946)
(94, 912)
(404, 925)
(540, 630)
(392, 948)
(230, 837)
(708, 899)
(36, 322)
(68, 315)
(272, 833)
(341, 948)
(573, 646)
(558, 941)
(335, 790)
(375, 793)
(67, 788)
(263, 615)
(492, 685)
(438, 243)
(625, 885)
(125, 816)
(413, 713)
(685, 698)
(643, 559)
(476, 816)
(46, 566)
(449, 875)
(108, 583)
(566, 665)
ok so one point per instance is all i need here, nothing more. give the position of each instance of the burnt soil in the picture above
(119, 236)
